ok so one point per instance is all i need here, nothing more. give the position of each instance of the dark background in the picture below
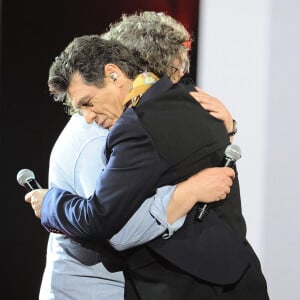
(32, 34)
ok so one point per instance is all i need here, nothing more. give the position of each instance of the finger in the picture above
(201, 91)
(226, 191)
(222, 196)
(201, 97)
(208, 106)
(33, 203)
(229, 172)
(216, 115)
(28, 197)
(198, 89)
(228, 181)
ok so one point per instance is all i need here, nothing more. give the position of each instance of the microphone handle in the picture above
(32, 184)
(229, 163)
(202, 211)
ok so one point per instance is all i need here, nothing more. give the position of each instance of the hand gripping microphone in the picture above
(232, 154)
(26, 178)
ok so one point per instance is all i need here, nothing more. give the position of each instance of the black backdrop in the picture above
(32, 34)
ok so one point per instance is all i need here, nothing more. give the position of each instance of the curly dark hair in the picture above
(155, 36)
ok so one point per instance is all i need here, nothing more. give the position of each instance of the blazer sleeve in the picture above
(130, 177)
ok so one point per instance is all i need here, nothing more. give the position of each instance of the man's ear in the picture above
(111, 71)
(114, 73)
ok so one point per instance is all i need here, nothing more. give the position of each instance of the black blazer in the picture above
(189, 139)
(203, 260)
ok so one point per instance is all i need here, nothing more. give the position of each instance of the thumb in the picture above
(28, 196)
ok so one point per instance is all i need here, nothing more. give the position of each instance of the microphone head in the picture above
(233, 152)
(24, 176)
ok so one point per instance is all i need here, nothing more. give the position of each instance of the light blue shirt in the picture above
(75, 163)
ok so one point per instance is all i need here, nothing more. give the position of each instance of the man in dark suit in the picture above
(162, 138)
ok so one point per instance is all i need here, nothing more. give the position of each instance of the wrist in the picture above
(180, 203)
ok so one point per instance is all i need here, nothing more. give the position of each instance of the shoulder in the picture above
(77, 133)
(77, 142)
(127, 127)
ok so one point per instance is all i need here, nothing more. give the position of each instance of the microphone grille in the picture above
(233, 152)
(24, 176)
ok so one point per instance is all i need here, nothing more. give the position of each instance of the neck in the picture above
(126, 87)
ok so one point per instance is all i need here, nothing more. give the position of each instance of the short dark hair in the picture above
(88, 56)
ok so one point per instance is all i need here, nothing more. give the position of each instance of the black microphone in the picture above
(232, 154)
(26, 178)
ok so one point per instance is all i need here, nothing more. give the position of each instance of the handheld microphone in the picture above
(232, 154)
(26, 178)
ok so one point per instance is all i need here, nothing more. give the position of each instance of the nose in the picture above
(183, 69)
(89, 115)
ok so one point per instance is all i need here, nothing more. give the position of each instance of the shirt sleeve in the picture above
(148, 222)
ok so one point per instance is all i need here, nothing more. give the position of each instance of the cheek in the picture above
(115, 110)
(109, 107)
(176, 77)
(109, 102)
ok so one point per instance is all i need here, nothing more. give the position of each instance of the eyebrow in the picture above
(83, 101)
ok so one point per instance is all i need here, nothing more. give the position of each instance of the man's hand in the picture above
(214, 106)
(209, 185)
(35, 198)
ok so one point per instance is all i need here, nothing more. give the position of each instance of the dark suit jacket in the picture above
(164, 140)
